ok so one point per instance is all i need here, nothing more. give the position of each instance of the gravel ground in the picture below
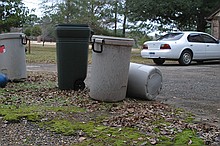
(194, 88)
(27, 133)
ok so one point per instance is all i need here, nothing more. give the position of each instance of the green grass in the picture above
(33, 113)
(47, 54)
(96, 133)
(41, 54)
(186, 137)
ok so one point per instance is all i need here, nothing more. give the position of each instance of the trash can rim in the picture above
(72, 25)
(10, 35)
(111, 38)
(108, 40)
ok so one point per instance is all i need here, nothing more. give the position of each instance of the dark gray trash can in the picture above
(144, 81)
(72, 55)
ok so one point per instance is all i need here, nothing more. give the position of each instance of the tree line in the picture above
(109, 17)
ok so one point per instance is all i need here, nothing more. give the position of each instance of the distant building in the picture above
(214, 19)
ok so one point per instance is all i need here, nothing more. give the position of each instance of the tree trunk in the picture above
(125, 19)
(116, 13)
(201, 22)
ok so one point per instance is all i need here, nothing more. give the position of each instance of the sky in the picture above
(33, 4)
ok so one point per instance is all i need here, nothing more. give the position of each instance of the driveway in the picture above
(195, 88)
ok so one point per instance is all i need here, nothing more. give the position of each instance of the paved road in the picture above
(195, 88)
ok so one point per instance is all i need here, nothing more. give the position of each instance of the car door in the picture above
(212, 47)
(197, 45)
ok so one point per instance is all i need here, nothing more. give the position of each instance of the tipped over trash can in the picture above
(72, 55)
(110, 66)
(144, 81)
(12, 56)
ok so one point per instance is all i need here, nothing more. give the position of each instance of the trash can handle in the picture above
(101, 49)
(23, 39)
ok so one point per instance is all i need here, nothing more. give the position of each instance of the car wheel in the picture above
(185, 58)
(159, 61)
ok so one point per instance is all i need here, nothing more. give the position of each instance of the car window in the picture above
(193, 37)
(208, 39)
(171, 36)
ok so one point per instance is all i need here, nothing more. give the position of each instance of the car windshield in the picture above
(171, 36)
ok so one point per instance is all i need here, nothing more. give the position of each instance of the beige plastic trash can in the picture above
(110, 66)
(12, 56)
(144, 81)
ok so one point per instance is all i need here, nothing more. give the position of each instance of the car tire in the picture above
(159, 61)
(185, 58)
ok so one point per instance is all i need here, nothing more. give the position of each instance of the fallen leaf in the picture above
(130, 110)
(190, 142)
(81, 139)
(153, 141)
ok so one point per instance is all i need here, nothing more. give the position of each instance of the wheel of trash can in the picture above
(79, 85)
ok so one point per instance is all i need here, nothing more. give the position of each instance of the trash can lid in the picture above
(73, 31)
(4, 36)
(72, 25)
(108, 40)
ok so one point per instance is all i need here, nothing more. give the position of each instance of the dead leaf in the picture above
(130, 110)
(81, 139)
(153, 141)
(190, 142)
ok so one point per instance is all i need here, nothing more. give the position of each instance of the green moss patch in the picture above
(188, 137)
(32, 113)
(95, 133)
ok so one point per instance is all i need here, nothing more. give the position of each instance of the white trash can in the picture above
(12, 56)
(144, 81)
(110, 66)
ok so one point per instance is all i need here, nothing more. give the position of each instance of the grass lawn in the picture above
(47, 54)
(41, 54)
